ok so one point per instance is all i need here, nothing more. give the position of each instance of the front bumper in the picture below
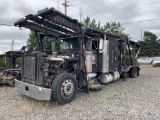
(33, 91)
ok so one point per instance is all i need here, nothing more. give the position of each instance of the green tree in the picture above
(150, 45)
(32, 42)
(2, 63)
(113, 27)
(87, 21)
(93, 24)
(5, 62)
(98, 26)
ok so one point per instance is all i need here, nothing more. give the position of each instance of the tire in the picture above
(64, 88)
(133, 72)
(137, 72)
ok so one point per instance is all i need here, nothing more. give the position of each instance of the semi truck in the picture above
(85, 59)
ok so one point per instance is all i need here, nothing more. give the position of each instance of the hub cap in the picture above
(67, 88)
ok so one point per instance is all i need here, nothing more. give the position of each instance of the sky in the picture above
(128, 13)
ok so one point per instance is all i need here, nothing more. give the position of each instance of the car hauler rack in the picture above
(11, 72)
(87, 58)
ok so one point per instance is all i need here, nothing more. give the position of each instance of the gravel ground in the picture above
(129, 100)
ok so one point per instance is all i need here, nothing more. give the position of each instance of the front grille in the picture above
(29, 69)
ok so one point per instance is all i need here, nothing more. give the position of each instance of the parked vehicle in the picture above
(156, 61)
(144, 60)
(8, 74)
(87, 58)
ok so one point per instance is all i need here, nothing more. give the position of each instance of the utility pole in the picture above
(58, 5)
(65, 6)
(141, 35)
(80, 14)
(12, 43)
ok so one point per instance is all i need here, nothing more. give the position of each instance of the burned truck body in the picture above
(8, 74)
(86, 58)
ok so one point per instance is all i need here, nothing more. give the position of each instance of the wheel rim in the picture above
(67, 88)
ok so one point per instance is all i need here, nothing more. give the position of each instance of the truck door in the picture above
(113, 54)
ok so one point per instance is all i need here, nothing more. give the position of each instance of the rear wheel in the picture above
(64, 88)
(133, 72)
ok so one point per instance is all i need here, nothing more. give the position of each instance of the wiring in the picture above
(6, 25)
(121, 16)
(141, 5)
(141, 21)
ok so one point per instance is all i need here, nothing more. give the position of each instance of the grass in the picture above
(109, 95)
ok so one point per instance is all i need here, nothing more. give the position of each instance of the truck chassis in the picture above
(87, 58)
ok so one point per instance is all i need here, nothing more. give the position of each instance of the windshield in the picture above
(70, 44)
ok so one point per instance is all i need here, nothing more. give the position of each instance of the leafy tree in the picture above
(98, 26)
(93, 24)
(87, 21)
(5, 62)
(2, 63)
(150, 45)
(113, 27)
(32, 42)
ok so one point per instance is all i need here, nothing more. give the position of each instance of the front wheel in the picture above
(133, 72)
(64, 88)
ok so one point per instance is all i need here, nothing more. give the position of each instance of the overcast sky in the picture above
(123, 11)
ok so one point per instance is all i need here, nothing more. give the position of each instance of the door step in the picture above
(96, 86)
